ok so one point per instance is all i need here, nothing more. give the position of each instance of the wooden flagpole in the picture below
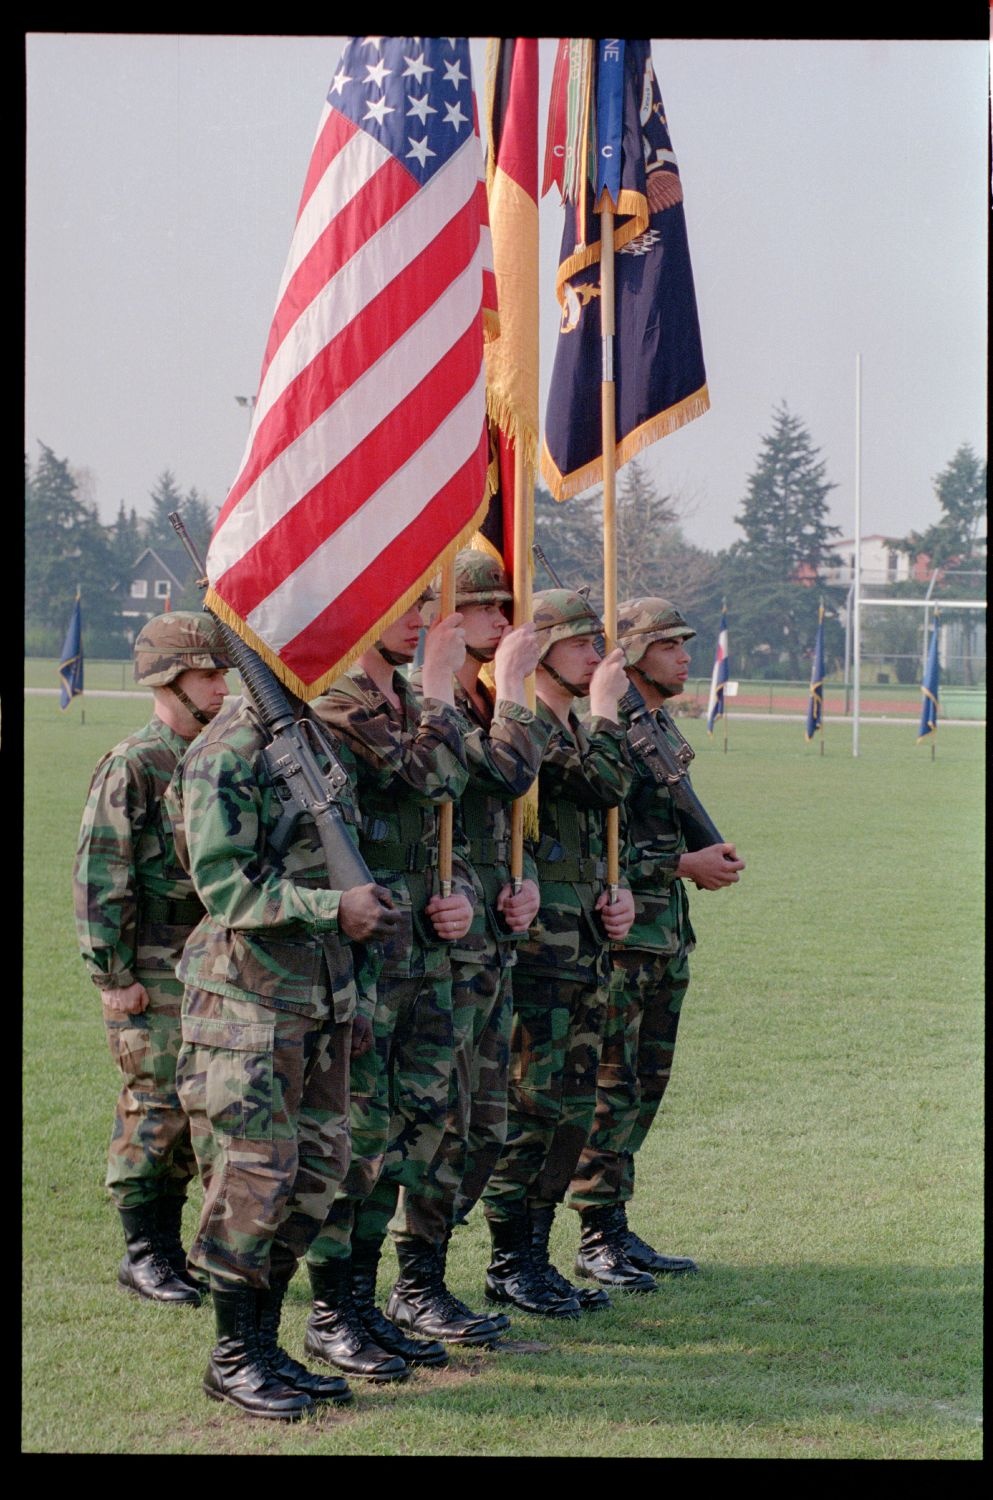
(447, 809)
(608, 430)
(523, 509)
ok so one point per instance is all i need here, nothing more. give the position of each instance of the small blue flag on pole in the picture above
(71, 665)
(929, 688)
(719, 676)
(815, 707)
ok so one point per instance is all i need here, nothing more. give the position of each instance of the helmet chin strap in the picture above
(393, 658)
(570, 687)
(480, 655)
(660, 687)
(188, 704)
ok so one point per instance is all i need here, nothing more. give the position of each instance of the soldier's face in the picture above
(484, 625)
(667, 663)
(402, 636)
(206, 689)
(575, 659)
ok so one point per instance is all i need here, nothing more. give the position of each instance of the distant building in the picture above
(158, 576)
(882, 562)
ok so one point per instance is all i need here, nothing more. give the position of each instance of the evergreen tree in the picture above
(772, 575)
(158, 528)
(65, 547)
(653, 557)
(961, 492)
(126, 545)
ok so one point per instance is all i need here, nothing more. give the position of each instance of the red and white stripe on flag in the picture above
(367, 455)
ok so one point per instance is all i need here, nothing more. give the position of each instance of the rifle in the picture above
(648, 739)
(302, 787)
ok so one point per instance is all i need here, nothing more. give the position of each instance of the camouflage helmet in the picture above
(642, 621)
(479, 579)
(175, 642)
(561, 613)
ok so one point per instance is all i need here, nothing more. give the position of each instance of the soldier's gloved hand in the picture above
(131, 1000)
(608, 685)
(451, 916)
(367, 913)
(711, 868)
(361, 1036)
(519, 911)
(617, 916)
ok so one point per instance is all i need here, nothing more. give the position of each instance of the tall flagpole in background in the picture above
(857, 581)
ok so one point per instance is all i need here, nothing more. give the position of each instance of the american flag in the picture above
(719, 676)
(367, 454)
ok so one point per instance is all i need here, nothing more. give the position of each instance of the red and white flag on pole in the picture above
(367, 455)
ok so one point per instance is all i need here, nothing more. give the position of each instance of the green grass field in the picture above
(820, 1153)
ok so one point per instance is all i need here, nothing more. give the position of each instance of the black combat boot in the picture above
(421, 1301)
(336, 1334)
(169, 1215)
(590, 1298)
(268, 1311)
(511, 1276)
(647, 1259)
(499, 1320)
(602, 1256)
(238, 1371)
(145, 1269)
(365, 1260)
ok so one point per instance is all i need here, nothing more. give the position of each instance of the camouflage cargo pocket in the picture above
(235, 1061)
(130, 1044)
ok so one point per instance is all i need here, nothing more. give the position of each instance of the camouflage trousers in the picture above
(398, 1111)
(476, 1122)
(150, 1152)
(554, 1052)
(639, 1040)
(267, 1095)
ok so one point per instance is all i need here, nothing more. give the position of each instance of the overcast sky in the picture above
(836, 203)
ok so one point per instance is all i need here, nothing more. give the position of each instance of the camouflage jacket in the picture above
(582, 774)
(409, 761)
(503, 751)
(270, 931)
(135, 904)
(651, 843)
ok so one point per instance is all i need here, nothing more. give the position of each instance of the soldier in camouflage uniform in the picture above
(135, 907)
(561, 978)
(278, 995)
(504, 742)
(651, 972)
(410, 758)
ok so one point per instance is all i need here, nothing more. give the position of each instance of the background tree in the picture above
(653, 555)
(955, 539)
(771, 576)
(126, 541)
(956, 545)
(158, 530)
(65, 547)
